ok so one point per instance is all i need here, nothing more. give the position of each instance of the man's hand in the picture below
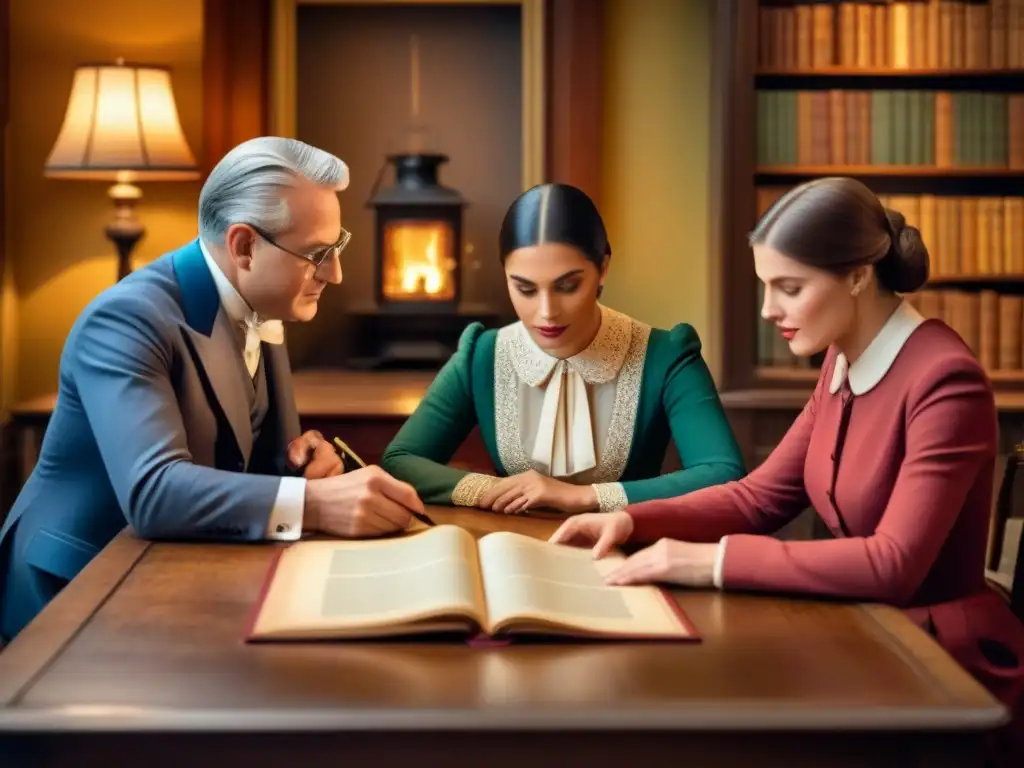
(315, 456)
(531, 490)
(360, 504)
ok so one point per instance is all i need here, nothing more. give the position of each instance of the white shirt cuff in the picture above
(719, 563)
(285, 522)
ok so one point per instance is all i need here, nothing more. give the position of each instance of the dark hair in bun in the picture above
(555, 213)
(838, 224)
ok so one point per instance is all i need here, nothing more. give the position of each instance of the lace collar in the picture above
(599, 363)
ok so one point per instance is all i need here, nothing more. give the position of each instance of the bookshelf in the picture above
(923, 101)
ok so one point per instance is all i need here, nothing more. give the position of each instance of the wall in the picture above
(59, 256)
(656, 167)
(8, 297)
(8, 307)
(470, 84)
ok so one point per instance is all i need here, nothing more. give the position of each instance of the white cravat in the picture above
(565, 434)
(270, 331)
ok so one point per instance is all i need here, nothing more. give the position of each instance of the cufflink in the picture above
(282, 528)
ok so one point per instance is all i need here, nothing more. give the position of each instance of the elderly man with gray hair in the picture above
(175, 411)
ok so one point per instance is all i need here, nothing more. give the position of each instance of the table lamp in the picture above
(121, 124)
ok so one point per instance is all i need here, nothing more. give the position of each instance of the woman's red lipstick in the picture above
(787, 333)
(551, 331)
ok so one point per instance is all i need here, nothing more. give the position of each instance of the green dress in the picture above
(602, 417)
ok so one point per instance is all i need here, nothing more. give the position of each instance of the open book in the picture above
(443, 580)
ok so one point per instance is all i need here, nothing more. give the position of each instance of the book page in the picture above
(533, 585)
(373, 587)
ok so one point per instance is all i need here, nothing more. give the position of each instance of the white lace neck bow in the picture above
(565, 436)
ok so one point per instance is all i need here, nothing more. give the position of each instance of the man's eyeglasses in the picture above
(317, 257)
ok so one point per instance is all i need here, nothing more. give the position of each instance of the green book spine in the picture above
(928, 127)
(1000, 129)
(914, 130)
(980, 132)
(789, 154)
(881, 132)
(983, 130)
(792, 147)
(960, 124)
(899, 118)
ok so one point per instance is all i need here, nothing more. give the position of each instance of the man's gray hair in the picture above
(245, 186)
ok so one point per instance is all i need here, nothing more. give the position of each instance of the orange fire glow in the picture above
(418, 262)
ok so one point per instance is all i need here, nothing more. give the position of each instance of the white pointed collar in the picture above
(599, 363)
(871, 367)
(238, 310)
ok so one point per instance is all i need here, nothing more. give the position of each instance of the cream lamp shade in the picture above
(121, 124)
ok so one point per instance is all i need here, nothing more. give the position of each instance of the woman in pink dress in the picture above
(895, 450)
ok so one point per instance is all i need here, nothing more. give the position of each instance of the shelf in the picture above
(767, 373)
(888, 170)
(975, 279)
(1006, 377)
(892, 72)
(794, 399)
(780, 373)
(766, 399)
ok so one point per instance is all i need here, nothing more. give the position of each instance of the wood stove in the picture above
(418, 238)
(418, 313)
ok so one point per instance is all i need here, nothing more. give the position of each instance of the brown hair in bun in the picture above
(838, 224)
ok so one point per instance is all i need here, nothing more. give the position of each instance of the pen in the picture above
(343, 447)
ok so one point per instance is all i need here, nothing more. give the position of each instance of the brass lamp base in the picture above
(125, 230)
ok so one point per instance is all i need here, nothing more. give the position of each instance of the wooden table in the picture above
(141, 658)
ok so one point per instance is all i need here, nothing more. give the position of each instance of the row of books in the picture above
(966, 237)
(926, 34)
(990, 324)
(890, 127)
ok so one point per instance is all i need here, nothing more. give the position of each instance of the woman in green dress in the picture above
(575, 402)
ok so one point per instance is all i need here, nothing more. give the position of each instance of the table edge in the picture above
(49, 633)
(694, 716)
(36, 417)
(928, 658)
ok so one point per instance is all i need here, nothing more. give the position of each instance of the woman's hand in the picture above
(531, 489)
(602, 530)
(676, 562)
